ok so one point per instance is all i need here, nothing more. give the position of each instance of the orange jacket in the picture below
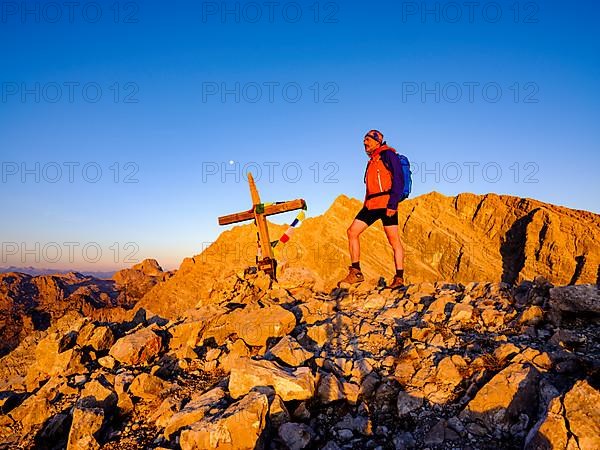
(378, 180)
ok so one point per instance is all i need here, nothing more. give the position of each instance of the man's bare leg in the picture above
(394, 239)
(354, 232)
(354, 275)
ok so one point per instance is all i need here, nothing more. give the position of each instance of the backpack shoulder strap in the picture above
(389, 153)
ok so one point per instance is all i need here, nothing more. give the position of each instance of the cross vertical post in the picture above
(267, 263)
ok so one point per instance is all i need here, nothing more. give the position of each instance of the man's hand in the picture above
(390, 212)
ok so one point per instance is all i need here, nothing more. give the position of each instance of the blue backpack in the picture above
(406, 174)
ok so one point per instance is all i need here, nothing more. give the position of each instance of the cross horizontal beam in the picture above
(270, 210)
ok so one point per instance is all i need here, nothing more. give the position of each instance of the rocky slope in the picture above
(457, 239)
(31, 303)
(287, 366)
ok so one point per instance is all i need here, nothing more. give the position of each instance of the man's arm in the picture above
(393, 163)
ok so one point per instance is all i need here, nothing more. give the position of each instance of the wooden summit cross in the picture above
(259, 213)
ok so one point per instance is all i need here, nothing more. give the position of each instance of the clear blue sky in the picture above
(163, 120)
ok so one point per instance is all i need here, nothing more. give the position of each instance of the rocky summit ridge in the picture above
(455, 239)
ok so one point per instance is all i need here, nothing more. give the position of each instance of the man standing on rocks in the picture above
(385, 186)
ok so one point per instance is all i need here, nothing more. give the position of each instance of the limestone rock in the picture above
(137, 348)
(140, 278)
(32, 412)
(257, 325)
(315, 310)
(408, 402)
(194, 411)
(147, 386)
(498, 404)
(572, 421)
(248, 373)
(165, 411)
(291, 352)
(101, 339)
(448, 374)
(461, 313)
(185, 337)
(278, 412)
(237, 350)
(107, 361)
(50, 362)
(87, 423)
(329, 389)
(320, 334)
(296, 436)
(374, 301)
(99, 393)
(438, 309)
(239, 427)
(583, 300)
(533, 315)
(254, 324)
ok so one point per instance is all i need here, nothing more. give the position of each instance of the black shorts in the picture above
(370, 216)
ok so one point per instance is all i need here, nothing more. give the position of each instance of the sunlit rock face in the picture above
(455, 239)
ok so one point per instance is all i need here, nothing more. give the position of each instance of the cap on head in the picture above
(375, 135)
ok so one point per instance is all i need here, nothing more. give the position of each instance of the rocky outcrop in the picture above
(456, 239)
(137, 348)
(238, 427)
(247, 374)
(134, 282)
(571, 421)
(500, 404)
(32, 303)
(582, 301)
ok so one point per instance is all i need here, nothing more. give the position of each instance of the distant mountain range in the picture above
(35, 271)
(32, 302)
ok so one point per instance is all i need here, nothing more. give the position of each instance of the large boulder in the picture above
(581, 300)
(247, 373)
(32, 412)
(329, 389)
(194, 410)
(99, 393)
(185, 337)
(256, 325)
(253, 323)
(238, 427)
(51, 361)
(85, 429)
(136, 348)
(501, 401)
(291, 352)
(101, 339)
(147, 387)
(572, 421)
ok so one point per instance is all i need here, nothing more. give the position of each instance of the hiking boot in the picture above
(397, 282)
(354, 276)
